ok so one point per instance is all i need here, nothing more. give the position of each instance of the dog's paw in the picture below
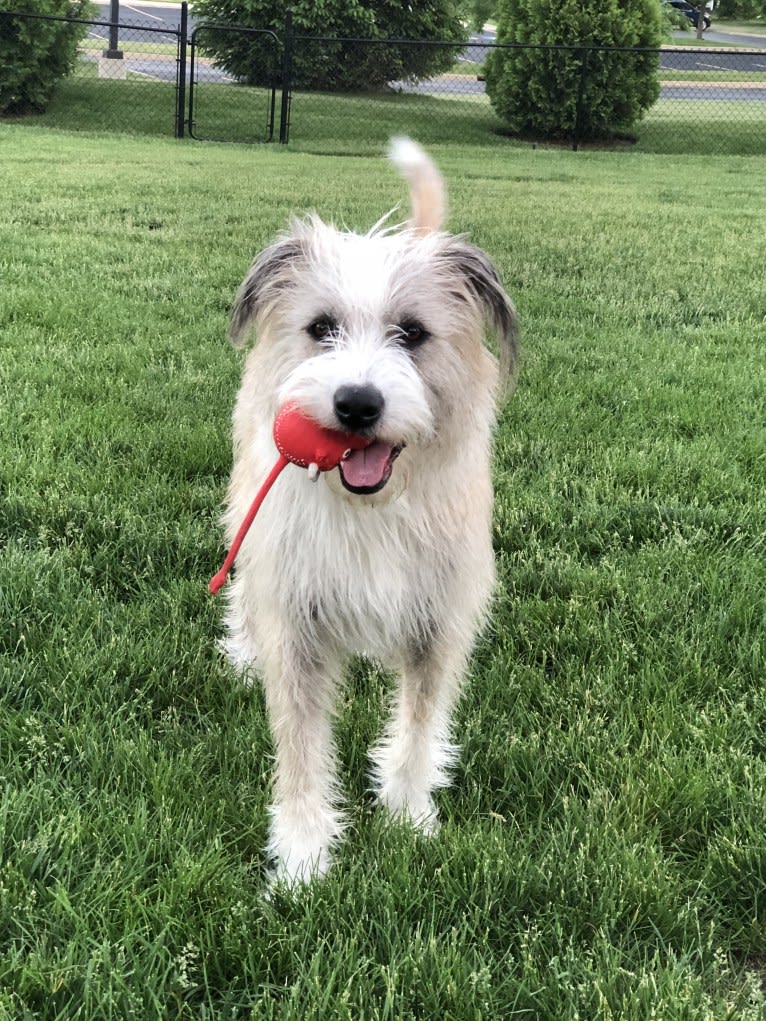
(238, 657)
(294, 871)
(418, 809)
(428, 824)
(301, 839)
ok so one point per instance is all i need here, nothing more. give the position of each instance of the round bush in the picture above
(546, 92)
(337, 62)
(35, 54)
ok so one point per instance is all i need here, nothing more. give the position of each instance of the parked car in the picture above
(690, 11)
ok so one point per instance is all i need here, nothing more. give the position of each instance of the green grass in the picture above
(741, 27)
(361, 125)
(85, 103)
(95, 47)
(717, 77)
(341, 124)
(673, 126)
(603, 853)
(692, 40)
(471, 67)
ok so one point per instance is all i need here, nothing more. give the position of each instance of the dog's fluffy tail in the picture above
(428, 195)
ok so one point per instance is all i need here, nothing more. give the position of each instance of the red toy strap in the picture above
(304, 442)
(217, 581)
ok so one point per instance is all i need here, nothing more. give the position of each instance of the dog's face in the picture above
(378, 334)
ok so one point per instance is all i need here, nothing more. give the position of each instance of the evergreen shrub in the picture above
(544, 91)
(35, 54)
(337, 63)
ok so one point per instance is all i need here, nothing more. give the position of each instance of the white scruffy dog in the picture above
(389, 555)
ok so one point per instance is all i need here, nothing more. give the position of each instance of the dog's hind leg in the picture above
(305, 822)
(415, 752)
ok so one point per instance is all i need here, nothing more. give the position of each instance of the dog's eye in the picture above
(322, 329)
(412, 333)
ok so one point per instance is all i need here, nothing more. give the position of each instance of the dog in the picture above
(390, 555)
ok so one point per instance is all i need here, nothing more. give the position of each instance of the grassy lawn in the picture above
(131, 47)
(603, 853)
(361, 124)
(691, 40)
(722, 76)
(741, 27)
(673, 126)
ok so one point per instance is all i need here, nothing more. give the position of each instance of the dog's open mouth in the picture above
(367, 471)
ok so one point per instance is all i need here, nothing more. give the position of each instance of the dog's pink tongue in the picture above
(366, 468)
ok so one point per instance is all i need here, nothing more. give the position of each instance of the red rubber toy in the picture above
(302, 441)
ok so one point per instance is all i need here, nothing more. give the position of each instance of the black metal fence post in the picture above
(580, 96)
(114, 52)
(181, 79)
(287, 74)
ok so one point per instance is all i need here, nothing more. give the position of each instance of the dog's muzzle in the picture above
(358, 409)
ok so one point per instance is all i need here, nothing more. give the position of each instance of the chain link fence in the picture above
(710, 100)
(126, 77)
(239, 112)
(350, 95)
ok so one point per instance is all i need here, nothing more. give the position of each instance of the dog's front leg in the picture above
(299, 686)
(415, 753)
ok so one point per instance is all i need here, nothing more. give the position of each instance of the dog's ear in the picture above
(267, 278)
(481, 284)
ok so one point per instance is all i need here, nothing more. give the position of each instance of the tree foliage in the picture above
(540, 90)
(744, 9)
(673, 21)
(35, 54)
(339, 61)
(478, 12)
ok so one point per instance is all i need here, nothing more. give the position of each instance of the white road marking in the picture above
(144, 14)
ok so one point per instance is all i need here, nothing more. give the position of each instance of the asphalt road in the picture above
(168, 15)
(149, 15)
(147, 20)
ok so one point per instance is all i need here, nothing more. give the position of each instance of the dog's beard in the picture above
(367, 471)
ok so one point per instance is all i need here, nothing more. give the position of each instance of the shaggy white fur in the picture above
(391, 557)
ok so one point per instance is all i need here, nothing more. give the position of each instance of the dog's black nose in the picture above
(358, 407)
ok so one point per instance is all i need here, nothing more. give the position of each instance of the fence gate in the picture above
(241, 112)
